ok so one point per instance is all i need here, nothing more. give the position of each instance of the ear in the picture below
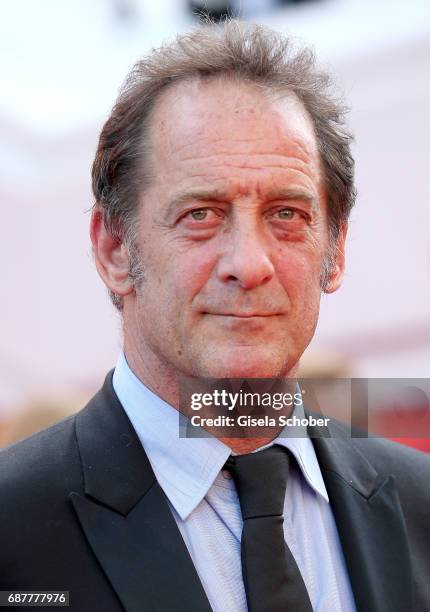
(338, 267)
(111, 256)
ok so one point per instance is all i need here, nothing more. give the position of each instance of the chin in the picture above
(255, 364)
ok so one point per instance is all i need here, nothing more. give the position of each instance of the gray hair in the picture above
(249, 52)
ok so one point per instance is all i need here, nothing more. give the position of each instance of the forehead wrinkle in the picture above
(253, 157)
(282, 160)
(309, 176)
(304, 148)
(311, 172)
(216, 140)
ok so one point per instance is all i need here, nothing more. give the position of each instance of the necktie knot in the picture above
(261, 481)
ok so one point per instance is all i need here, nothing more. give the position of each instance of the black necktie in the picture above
(272, 580)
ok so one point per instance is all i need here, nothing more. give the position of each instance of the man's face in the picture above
(233, 234)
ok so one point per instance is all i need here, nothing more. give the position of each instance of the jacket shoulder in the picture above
(45, 461)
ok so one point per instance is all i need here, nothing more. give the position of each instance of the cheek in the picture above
(186, 274)
(299, 272)
(300, 278)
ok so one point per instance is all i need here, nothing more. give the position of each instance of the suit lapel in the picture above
(370, 523)
(126, 518)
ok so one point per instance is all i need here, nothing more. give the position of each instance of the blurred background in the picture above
(62, 62)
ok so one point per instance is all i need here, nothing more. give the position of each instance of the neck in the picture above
(150, 370)
(164, 382)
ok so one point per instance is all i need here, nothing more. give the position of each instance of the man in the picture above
(223, 183)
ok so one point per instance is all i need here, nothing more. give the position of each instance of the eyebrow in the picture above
(211, 195)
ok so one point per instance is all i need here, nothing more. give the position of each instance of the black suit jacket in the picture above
(81, 510)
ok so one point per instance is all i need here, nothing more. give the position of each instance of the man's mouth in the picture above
(244, 315)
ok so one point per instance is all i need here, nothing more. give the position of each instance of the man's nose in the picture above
(245, 260)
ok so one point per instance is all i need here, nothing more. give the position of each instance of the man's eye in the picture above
(199, 215)
(209, 215)
(286, 213)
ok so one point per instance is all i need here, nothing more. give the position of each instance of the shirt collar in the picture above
(298, 442)
(187, 467)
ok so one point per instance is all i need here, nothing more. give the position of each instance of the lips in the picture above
(243, 315)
